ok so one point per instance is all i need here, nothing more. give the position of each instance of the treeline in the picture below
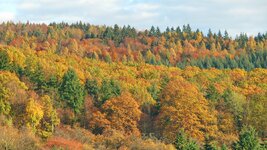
(249, 61)
(179, 46)
(56, 100)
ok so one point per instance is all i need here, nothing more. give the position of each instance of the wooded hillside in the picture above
(82, 86)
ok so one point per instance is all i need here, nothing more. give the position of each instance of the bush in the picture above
(149, 144)
(13, 139)
(71, 136)
(61, 143)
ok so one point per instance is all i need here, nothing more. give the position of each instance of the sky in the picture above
(235, 16)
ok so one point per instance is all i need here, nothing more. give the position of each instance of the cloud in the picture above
(52, 10)
(7, 16)
(234, 15)
(27, 6)
(185, 8)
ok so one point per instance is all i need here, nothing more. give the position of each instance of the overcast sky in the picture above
(248, 16)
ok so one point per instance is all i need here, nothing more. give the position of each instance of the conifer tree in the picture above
(247, 140)
(72, 91)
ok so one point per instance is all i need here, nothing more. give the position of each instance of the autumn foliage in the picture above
(83, 86)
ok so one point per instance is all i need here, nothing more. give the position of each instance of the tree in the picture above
(256, 113)
(109, 89)
(158, 33)
(213, 47)
(183, 106)
(107, 58)
(91, 86)
(224, 147)
(226, 35)
(154, 91)
(233, 103)
(209, 145)
(123, 113)
(52, 82)
(108, 34)
(12, 90)
(140, 58)
(100, 94)
(50, 118)
(73, 46)
(72, 91)
(152, 31)
(5, 62)
(98, 122)
(247, 140)
(213, 94)
(33, 114)
(38, 77)
(4, 103)
(182, 142)
(95, 56)
(150, 58)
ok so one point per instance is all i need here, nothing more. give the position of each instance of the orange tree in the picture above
(184, 107)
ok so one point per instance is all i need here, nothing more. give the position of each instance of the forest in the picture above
(83, 86)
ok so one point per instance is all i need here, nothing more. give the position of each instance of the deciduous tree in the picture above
(123, 113)
(183, 106)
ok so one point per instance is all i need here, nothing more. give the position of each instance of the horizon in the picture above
(236, 16)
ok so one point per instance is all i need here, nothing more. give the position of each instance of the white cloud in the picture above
(6, 16)
(28, 5)
(234, 15)
(244, 11)
(186, 8)
(145, 7)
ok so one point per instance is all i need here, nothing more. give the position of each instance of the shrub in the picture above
(13, 139)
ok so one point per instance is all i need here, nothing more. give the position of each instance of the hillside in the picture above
(82, 86)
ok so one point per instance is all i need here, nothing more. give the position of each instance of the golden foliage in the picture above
(33, 114)
(184, 107)
(123, 113)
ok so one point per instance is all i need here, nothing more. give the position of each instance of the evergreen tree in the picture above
(52, 82)
(226, 35)
(108, 34)
(209, 145)
(152, 31)
(38, 77)
(223, 147)
(182, 142)
(247, 140)
(213, 94)
(92, 88)
(72, 91)
(158, 33)
(154, 91)
(108, 59)
(4, 60)
(109, 89)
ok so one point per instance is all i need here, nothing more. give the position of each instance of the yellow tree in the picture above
(257, 112)
(179, 46)
(33, 114)
(251, 44)
(123, 113)
(50, 118)
(4, 103)
(199, 37)
(73, 46)
(184, 107)
(12, 91)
